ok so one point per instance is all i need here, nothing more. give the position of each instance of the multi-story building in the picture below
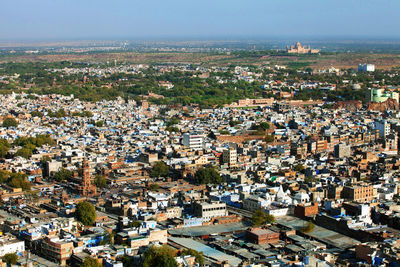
(380, 95)
(193, 141)
(207, 211)
(359, 193)
(366, 67)
(57, 250)
(229, 156)
(342, 150)
(383, 127)
(10, 244)
(262, 236)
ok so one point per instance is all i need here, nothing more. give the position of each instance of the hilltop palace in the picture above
(298, 49)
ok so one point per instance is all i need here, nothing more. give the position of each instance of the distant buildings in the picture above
(366, 67)
(299, 49)
(381, 95)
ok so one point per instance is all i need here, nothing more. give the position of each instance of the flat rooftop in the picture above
(209, 252)
(209, 229)
(319, 233)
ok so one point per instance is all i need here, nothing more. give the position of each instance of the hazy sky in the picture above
(131, 19)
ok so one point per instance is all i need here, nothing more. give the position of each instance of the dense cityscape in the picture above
(121, 164)
(199, 133)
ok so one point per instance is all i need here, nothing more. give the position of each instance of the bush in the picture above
(307, 228)
(10, 258)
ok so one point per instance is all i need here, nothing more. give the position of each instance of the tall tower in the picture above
(86, 174)
(86, 188)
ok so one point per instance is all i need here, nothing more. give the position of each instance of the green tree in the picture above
(269, 138)
(10, 258)
(24, 152)
(100, 181)
(91, 262)
(207, 175)
(154, 187)
(198, 255)
(85, 213)
(36, 114)
(99, 123)
(260, 218)
(159, 169)
(159, 257)
(10, 122)
(4, 147)
(62, 175)
(135, 224)
(299, 168)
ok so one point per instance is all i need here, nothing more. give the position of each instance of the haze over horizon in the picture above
(42, 20)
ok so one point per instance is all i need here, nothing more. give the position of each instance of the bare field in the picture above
(341, 60)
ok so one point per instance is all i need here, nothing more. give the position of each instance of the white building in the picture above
(208, 211)
(366, 67)
(9, 244)
(193, 141)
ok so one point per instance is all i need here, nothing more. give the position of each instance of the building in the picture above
(52, 167)
(229, 156)
(193, 141)
(366, 67)
(342, 150)
(299, 49)
(207, 211)
(359, 193)
(86, 188)
(262, 236)
(306, 209)
(380, 95)
(57, 250)
(10, 244)
(383, 127)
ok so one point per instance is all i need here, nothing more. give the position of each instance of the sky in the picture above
(197, 19)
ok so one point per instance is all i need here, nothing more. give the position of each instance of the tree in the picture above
(85, 213)
(159, 257)
(91, 262)
(4, 147)
(24, 152)
(269, 138)
(154, 187)
(10, 258)
(299, 168)
(10, 122)
(62, 175)
(198, 255)
(160, 169)
(135, 224)
(260, 218)
(208, 175)
(99, 123)
(100, 181)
